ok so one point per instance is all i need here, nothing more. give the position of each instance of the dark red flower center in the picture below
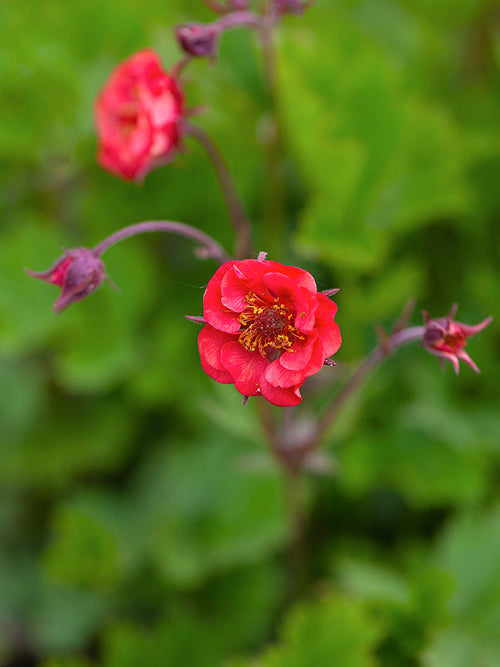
(127, 117)
(266, 325)
(456, 341)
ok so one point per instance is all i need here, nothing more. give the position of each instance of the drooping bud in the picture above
(198, 39)
(79, 272)
(446, 338)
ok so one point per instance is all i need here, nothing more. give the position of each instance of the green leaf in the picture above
(204, 513)
(470, 551)
(333, 630)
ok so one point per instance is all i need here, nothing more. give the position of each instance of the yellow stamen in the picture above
(266, 325)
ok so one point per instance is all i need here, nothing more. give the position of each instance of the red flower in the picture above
(79, 272)
(139, 117)
(446, 338)
(267, 329)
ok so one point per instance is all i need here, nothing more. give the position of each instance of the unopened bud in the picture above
(198, 39)
(446, 338)
(79, 272)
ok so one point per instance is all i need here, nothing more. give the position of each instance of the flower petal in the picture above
(219, 316)
(299, 276)
(295, 297)
(245, 367)
(278, 396)
(328, 329)
(210, 343)
(278, 376)
(244, 277)
(300, 353)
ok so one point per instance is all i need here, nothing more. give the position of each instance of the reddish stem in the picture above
(241, 225)
(210, 247)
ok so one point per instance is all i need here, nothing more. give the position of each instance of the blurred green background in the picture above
(142, 521)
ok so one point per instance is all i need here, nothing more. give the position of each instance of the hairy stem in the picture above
(209, 246)
(241, 226)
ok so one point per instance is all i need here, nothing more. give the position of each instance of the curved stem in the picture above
(241, 225)
(242, 19)
(385, 349)
(210, 247)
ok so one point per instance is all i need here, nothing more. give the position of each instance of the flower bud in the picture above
(198, 39)
(78, 272)
(446, 338)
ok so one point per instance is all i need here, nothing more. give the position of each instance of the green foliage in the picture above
(334, 630)
(141, 519)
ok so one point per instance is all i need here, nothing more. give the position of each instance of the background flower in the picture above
(138, 117)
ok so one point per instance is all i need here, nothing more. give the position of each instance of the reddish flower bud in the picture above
(139, 115)
(446, 338)
(267, 329)
(198, 39)
(79, 272)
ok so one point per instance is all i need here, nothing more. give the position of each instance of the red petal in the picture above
(210, 344)
(215, 313)
(245, 277)
(245, 367)
(299, 276)
(278, 376)
(298, 298)
(328, 329)
(277, 396)
(300, 353)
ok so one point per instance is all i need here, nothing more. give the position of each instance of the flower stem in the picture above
(294, 489)
(381, 352)
(210, 248)
(275, 207)
(242, 19)
(241, 226)
(293, 476)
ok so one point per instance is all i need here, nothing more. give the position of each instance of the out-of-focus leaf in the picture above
(180, 639)
(377, 158)
(333, 630)
(470, 551)
(204, 514)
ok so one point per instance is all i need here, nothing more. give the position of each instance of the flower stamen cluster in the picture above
(266, 325)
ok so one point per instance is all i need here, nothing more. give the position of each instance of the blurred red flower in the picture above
(267, 329)
(446, 338)
(139, 116)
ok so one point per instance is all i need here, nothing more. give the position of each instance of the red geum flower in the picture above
(139, 115)
(446, 338)
(267, 329)
(79, 272)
